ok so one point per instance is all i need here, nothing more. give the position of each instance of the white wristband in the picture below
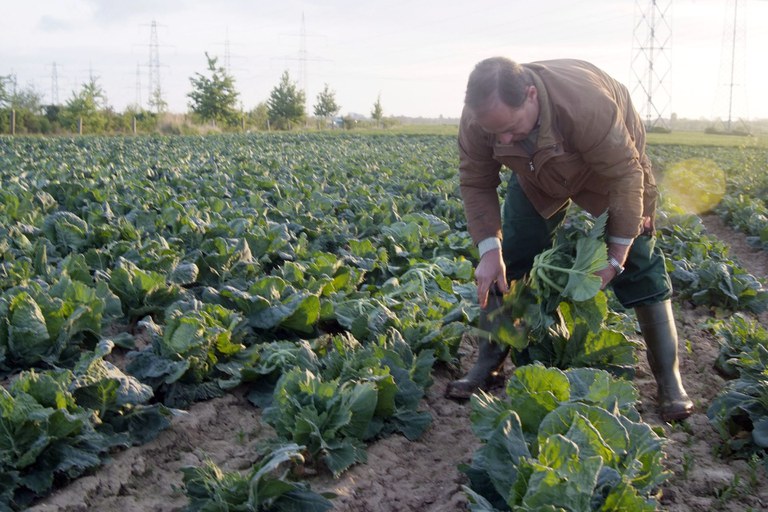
(489, 244)
(619, 240)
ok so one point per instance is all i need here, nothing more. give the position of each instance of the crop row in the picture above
(326, 274)
(731, 182)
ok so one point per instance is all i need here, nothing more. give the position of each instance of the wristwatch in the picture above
(616, 265)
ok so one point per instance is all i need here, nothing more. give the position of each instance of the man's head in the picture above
(502, 98)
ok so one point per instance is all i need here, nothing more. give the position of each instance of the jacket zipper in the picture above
(532, 167)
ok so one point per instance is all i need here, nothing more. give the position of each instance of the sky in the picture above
(413, 55)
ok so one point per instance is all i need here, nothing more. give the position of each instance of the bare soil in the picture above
(423, 475)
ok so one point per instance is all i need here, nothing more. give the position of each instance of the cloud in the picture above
(111, 12)
(53, 24)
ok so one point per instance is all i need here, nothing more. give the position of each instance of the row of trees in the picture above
(23, 111)
(213, 101)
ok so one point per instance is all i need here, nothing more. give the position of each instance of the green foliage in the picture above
(266, 487)
(747, 214)
(585, 340)
(44, 434)
(563, 440)
(738, 336)
(26, 102)
(183, 362)
(271, 303)
(340, 260)
(58, 424)
(354, 393)
(329, 417)
(739, 412)
(141, 292)
(66, 231)
(86, 106)
(43, 325)
(5, 82)
(701, 270)
(258, 117)
(558, 315)
(214, 97)
(326, 105)
(568, 268)
(285, 105)
(122, 404)
(378, 111)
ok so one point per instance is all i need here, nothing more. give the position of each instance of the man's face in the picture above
(510, 124)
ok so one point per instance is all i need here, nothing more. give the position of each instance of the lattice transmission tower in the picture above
(137, 101)
(652, 62)
(227, 56)
(155, 99)
(54, 85)
(303, 57)
(731, 95)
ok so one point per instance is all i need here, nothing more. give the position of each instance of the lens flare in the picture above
(695, 185)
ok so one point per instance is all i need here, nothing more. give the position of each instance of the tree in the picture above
(146, 120)
(27, 104)
(286, 104)
(214, 98)
(87, 105)
(326, 105)
(157, 102)
(5, 105)
(377, 113)
(259, 116)
(4, 95)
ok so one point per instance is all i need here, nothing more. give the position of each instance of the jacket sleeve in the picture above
(478, 181)
(609, 149)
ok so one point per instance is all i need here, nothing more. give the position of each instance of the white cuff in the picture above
(619, 240)
(489, 244)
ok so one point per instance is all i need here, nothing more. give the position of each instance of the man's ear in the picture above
(533, 93)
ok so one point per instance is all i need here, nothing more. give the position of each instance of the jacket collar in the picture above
(548, 134)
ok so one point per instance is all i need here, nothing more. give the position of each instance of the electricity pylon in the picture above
(652, 62)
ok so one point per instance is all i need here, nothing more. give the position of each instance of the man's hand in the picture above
(607, 275)
(619, 252)
(489, 272)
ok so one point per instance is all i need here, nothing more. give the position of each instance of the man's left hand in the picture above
(606, 275)
(618, 252)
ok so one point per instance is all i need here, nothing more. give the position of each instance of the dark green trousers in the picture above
(526, 234)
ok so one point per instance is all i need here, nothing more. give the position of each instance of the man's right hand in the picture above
(489, 272)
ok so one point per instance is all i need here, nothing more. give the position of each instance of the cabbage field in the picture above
(268, 321)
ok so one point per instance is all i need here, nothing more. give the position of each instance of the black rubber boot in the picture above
(490, 358)
(657, 325)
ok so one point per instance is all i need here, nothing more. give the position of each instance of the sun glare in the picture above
(695, 185)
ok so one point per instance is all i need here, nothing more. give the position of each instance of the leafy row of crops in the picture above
(744, 205)
(732, 182)
(318, 271)
(703, 273)
(326, 274)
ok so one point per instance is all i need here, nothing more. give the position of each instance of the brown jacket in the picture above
(590, 149)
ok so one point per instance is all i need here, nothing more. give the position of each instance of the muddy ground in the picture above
(423, 476)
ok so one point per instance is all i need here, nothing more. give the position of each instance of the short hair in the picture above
(497, 77)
